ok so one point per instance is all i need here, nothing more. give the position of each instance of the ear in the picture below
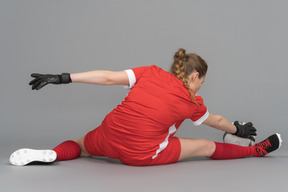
(195, 75)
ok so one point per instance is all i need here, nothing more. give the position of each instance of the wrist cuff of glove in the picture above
(65, 78)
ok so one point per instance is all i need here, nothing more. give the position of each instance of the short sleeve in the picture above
(133, 75)
(201, 113)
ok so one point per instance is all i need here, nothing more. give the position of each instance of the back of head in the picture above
(184, 64)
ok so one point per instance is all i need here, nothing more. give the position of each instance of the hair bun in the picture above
(180, 54)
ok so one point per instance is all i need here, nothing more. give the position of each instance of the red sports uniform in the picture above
(140, 130)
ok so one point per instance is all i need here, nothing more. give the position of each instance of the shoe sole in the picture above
(25, 156)
(280, 141)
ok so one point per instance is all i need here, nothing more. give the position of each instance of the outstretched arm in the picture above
(101, 77)
(91, 77)
(242, 130)
(221, 123)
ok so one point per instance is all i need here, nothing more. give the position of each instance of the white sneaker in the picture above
(25, 156)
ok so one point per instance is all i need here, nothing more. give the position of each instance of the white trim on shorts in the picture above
(164, 144)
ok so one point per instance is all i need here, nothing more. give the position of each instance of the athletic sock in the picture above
(231, 151)
(67, 150)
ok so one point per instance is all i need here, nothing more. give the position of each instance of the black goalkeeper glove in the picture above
(41, 80)
(245, 130)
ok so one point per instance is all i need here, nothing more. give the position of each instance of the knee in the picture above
(80, 142)
(209, 146)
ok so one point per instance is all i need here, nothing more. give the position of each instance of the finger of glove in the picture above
(252, 131)
(252, 138)
(35, 75)
(41, 84)
(236, 122)
(249, 124)
(37, 83)
(34, 81)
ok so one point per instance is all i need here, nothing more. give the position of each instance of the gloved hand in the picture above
(41, 80)
(245, 130)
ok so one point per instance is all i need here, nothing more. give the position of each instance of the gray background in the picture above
(243, 42)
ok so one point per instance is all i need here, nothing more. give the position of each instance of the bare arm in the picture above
(101, 77)
(219, 122)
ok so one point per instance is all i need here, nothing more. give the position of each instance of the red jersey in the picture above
(152, 112)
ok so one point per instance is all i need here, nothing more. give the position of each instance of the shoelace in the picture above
(260, 147)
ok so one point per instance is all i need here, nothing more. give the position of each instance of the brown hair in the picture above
(184, 64)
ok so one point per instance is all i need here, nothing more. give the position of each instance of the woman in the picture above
(140, 131)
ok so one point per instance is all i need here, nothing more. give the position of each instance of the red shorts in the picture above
(97, 145)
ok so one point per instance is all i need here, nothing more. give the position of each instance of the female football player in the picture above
(140, 131)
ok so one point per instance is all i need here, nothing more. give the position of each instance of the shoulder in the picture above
(149, 70)
(199, 99)
(159, 70)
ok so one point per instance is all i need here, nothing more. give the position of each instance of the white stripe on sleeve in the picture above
(203, 118)
(132, 79)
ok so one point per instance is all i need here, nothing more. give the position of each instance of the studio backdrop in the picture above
(244, 42)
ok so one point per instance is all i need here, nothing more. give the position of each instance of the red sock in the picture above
(67, 150)
(231, 151)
